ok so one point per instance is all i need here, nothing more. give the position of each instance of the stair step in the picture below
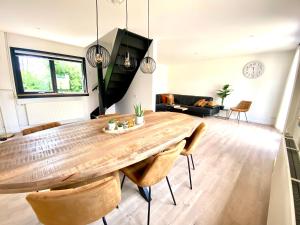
(133, 51)
(141, 44)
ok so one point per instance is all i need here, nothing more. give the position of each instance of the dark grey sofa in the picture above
(187, 101)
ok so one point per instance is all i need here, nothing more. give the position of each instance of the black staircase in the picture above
(117, 80)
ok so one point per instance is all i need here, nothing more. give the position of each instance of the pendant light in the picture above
(148, 64)
(97, 54)
(128, 63)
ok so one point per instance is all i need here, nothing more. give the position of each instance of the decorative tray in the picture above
(123, 130)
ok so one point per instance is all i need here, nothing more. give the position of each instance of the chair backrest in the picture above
(148, 111)
(40, 128)
(193, 141)
(161, 164)
(244, 105)
(108, 115)
(78, 206)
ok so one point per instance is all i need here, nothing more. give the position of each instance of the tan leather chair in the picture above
(244, 107)
(191, 143)
(40, 128)
(108, 115)
(77, 206)
(148, 111)
(152, 170)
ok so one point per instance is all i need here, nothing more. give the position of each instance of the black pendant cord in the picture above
(127, 27)
(97, 21)
(148, 25)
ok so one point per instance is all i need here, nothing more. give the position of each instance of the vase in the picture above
(111, 126)
(139, 120)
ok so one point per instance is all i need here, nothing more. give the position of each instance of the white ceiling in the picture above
(185, 30)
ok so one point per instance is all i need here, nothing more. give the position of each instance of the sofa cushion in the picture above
(170, 99)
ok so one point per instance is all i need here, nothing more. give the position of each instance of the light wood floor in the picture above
(231, 184)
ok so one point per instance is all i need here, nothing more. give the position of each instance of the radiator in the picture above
(43, 112)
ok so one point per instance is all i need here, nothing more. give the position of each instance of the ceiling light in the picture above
(128, 63)
(148, 64)
(97, 55)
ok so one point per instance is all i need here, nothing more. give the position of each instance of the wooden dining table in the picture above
(80, 152)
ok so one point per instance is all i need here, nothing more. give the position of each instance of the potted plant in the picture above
(223, 93)
(120, 126)
(112, 124)
(139, 114)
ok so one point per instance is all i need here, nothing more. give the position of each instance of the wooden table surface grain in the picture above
(81, 151)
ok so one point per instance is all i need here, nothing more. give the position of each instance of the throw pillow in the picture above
(199, 102)
(202, 104)
(170, 99)
(212, 104)
(164, 99)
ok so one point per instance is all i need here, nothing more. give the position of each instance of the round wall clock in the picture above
(253, 69)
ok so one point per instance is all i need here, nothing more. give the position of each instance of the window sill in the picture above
(50, 95)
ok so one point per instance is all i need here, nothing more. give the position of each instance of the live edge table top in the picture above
(81, 151)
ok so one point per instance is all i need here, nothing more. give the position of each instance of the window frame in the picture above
(51, 57)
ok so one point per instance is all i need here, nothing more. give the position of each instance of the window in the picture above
(45, 74)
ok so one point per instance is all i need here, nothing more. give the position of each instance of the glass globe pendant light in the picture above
(148, 64)
(97, 54)
(128, 63)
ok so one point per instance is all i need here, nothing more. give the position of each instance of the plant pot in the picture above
(139, 120)
(111, 126)
(120, 128)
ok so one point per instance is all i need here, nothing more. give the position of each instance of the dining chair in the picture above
(191, 143)
(244, 107)
(77, 206)
(40, 128)
(152, 170)
(148, 111)
(108, 115)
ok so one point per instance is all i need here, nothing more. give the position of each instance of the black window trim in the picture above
(51, 56)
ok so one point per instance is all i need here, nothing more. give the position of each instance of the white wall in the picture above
(285, 106)
(293, 122)
(205, 77)
(161, 79)
(17, 115)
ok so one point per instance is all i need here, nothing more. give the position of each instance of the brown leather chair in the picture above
(77, 206)
(40, 128)
(108, 115)
(244, 107)
(152, 170)
(148, 111)
(191, 143)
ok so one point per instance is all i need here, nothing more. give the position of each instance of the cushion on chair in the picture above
(152, 170)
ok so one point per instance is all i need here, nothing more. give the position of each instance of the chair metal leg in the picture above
(246, 117)
(193, 162)
(122, 183)
(104, 220)
(238, 117)
(171, 190)
(229, 114)
(191, 186)
(149, 206)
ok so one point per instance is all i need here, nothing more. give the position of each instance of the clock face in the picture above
(253, 70)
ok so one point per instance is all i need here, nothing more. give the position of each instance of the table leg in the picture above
(144, 192)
